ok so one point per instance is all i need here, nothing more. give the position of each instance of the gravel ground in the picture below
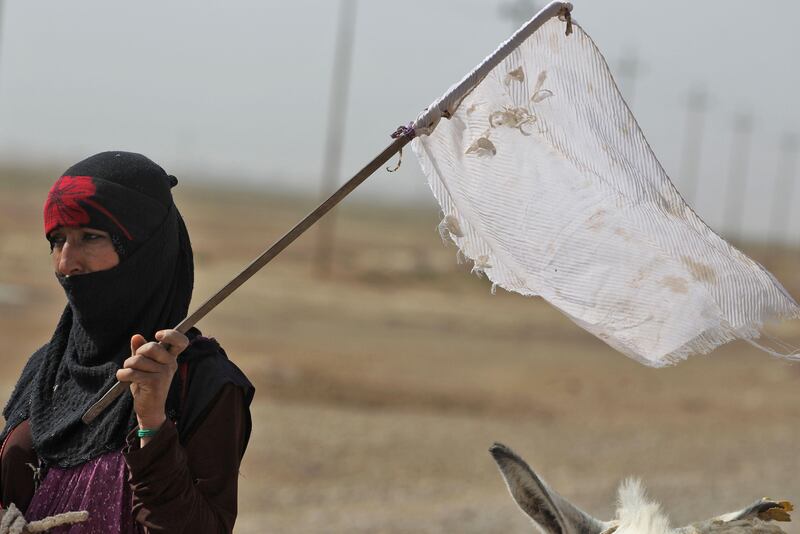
(381, 387)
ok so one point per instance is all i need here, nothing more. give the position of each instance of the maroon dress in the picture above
(99, 486)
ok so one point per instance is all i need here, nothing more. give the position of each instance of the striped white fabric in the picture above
(547, 183)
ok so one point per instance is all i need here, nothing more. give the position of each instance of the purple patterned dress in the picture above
(99, 486)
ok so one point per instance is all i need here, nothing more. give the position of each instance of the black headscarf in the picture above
(129, 196)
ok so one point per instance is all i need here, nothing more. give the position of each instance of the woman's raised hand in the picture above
(150, 370)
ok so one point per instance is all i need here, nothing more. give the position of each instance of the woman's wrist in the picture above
(149, 427)
(151, 423)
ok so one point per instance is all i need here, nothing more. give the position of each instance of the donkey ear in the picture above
(551, 512)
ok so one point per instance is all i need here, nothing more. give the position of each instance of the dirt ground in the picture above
(381, 386)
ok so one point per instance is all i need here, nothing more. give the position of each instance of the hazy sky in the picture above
(238, 90)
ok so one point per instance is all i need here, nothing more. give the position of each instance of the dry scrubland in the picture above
(380, 388)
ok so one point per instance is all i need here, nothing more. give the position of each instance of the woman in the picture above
(166, 457)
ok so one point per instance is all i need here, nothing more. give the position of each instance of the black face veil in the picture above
(130, 197)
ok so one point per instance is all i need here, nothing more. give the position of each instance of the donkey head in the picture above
(635, 514)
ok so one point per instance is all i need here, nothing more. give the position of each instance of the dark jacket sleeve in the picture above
(179, 489)
(17, 460)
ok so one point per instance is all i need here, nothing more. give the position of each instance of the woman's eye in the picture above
(92, 237)
(56, 240)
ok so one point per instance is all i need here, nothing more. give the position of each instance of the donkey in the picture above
(635, 513)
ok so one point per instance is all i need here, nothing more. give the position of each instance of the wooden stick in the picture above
(120, 387)
(427, 120)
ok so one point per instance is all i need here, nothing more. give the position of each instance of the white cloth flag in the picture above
(548, 185)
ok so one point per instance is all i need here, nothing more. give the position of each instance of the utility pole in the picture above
(629, 70)
(696, 106)
(2, 16)
(337, 112)
(2, 19)
(737, 177)
(784, 188)
(519, 11)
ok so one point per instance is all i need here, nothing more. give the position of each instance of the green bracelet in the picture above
(146, 433)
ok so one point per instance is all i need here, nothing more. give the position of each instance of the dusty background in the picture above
(380, 388)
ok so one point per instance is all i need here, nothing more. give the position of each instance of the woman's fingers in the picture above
(137, 341)
(141, 362)
(138, 377)
(153, 358)
(170, 344)
(156, 352)
(176, 341)
(149, 370)
(140, 368)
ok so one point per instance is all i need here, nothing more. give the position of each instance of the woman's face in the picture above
(80, 250)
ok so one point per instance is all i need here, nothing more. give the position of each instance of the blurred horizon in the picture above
(239, 92)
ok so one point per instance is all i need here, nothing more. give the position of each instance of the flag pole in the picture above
(444, 106)
(120, 387)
